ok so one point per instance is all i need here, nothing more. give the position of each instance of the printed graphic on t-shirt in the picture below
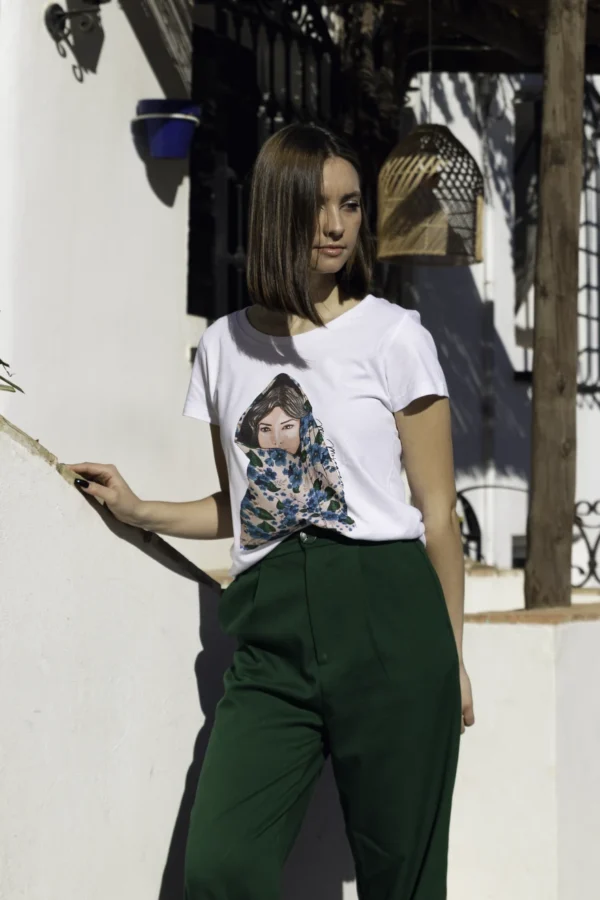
(293, 478)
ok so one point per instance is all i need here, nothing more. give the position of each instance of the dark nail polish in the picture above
(81, 482)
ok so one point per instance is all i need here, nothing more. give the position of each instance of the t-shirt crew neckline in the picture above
(306, 338)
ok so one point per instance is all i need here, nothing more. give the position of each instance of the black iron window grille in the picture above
(528, 119)
(256, 67)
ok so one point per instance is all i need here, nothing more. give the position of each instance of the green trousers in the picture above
(345, 648)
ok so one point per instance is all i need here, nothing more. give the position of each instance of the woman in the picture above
(349, 631)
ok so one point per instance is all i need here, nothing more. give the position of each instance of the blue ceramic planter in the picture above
(165, 128)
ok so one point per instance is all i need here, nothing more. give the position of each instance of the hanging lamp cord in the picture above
(430, 55)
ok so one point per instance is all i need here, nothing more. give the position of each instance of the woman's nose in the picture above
(332, 225)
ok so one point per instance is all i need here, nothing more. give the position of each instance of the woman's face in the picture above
(340, 217)
(277, 430)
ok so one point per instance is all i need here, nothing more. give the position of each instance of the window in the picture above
(519, 551)
(528, 127)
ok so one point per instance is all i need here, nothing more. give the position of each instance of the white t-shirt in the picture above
(307, 423)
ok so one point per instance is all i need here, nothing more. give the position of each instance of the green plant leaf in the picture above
(11, 386)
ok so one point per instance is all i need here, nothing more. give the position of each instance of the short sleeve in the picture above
(199, 403)
(412, 368)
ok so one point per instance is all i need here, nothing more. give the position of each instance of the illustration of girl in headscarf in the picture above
(293, 479)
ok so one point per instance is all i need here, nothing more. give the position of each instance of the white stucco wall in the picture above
(504, 825)
(525, 820)
(100, 707)
(93, 267)
(503, 590)
(578, 751)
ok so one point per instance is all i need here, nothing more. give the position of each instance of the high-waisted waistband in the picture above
(312, 537)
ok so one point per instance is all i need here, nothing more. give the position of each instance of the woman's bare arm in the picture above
(426, 438)
(203, 520)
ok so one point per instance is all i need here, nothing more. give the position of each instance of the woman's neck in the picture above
(327, 298)
(329, 302)
(323, 289)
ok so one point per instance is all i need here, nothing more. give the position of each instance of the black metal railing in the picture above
(470, 530)
(586, 535)
(586, 543)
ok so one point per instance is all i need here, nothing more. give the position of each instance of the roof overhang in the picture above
(164, 30)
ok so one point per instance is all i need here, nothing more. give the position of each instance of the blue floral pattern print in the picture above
(293, 478)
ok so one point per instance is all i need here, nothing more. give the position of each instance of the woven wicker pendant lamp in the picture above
(430, 202)
(430, 197)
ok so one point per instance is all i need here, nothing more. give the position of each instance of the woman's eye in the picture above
(353, 206)
(264, 429)
(288, 427)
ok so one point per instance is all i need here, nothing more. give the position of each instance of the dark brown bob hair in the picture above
(284, 201)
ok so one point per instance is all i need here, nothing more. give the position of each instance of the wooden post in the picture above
(552, 496)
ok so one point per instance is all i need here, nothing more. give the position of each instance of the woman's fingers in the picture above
(98, 491)
(93, 470)
(107, 485)
(96, 479)
(466, 720)
(469, 715)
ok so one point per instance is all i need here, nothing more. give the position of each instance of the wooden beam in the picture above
(497, 29)
(462, 21)
(514, 30)
(552, 494)
(164, 29)
(533, 14)
(532, 10)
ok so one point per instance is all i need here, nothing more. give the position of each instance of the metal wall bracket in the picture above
(58, 20)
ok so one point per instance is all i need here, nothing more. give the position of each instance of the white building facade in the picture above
(95, 304)
(93, 266)
(106, 632)
(482, 316)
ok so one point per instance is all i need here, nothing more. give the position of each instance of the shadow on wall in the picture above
(451, 308)
(165, 176)
(464, 94)
(84, 42)
(451, 305)
(320, 862)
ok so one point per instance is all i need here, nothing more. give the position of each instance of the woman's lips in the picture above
(331, 251)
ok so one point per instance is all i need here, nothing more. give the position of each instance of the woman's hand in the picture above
(109, 487)
(466, 693)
